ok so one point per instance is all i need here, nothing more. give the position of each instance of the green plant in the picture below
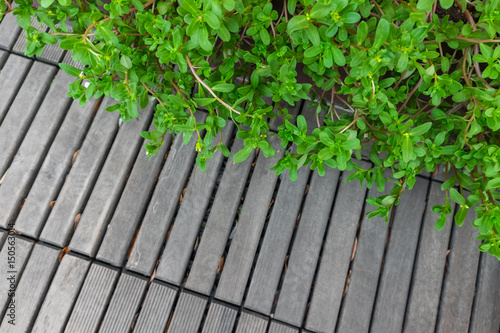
(421, 84)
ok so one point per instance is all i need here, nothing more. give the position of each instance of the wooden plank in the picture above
(306, 248)
(131, 207)
(55, 167)
(429, 268)
(32, 288)
(62, 294)
(92, 300)
(9, 31)
(35, 145)
(277, 327)
(211, 248)
(124, 304)
(21, 42)
(249, 228)
(356, 310)
(11, 78)
(3, 58)
(109, 185)
(81, 178)
(460, 282)
(163, 204)
(220, 319)
(336, 256)
(251, 323)
(396, 277)
(156, 309)
(69, 60)
(21, 112)
(187, 314)
(195, 201)
(52, 52)
(20, 250)
(485, 316)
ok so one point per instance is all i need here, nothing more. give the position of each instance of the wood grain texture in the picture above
(55, 167)
(32, 151)
(133, 203)
(124, 305)
(195, 201)
(248, 229)
(92, 300)
(12, 77)
(22, 111)
(460, 282)
(206, 262)
(3, 58)
(395, 280)
(277, 327)
(110, 183)
(423, 301)
(337, 251)
(62, 294)
(162, 205)
(9, 32)
(81, 178)
(306, 248)
(220, 319)
(188, 313)
(156, 308)
(251, 323)
(32, 287)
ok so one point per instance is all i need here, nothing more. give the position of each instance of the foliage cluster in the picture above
(420, 84)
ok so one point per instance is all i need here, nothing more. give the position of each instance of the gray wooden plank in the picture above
(9, 31)
(182, 237)
(3, 58)
(32, 288)
(220, 319)
(396, 277)
(267, 273)
(92, 300)
(21, 112)
(80, 180)
(429, 268)
(249, 228)
(277, 327)
(62, 294)
(69, 60)
(251, 323)
(485, 316)
(55, 167)
(156, 309)
(11, 78)
(35, 145)
(460, 282)
(356, 310)
(337, 251)
(15, 261)
(52, 52)
(211, 248)
(306, 248)
(187, 314)
(124, 304)
(107, 190)
(131, 206)
(3, 236)
(163, 204)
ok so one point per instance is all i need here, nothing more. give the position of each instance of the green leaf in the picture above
(407, 149)
(351, 144)
(223, 87)
(162, 7)
(298, 22)
(494, 183)
(440, 222)
(189, 6)
(338, 56)
(313, 35)
(70, 70)
(302, 124)
(449, 183)
(320, 10)
(362, 32)
(126, 62)
(456, 197)
(212, 20)
(381, 34)
(425, 5)
(422, 129)
(46, 3)
(460, 216)
(264, 36)
(446, 3)
(138, 5)
(203, 39)
(242, 154)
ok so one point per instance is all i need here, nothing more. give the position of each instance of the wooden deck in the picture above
(159, 246)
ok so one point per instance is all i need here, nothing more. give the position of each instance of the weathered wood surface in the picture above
(188, 313)
(62, 294)
(9, 31)
(220, 319)
(248, 229)
(277, 327)
(3, 58)
(109, 185)
(251, 323)
(35, 145)
(156, 309)
(56, 165)
(337, 252)
(22, 111)
(80, 180)
(425, 292)
(12, 77)
(206, 262)
(32, 287)
(162, 205)
(92, 300)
